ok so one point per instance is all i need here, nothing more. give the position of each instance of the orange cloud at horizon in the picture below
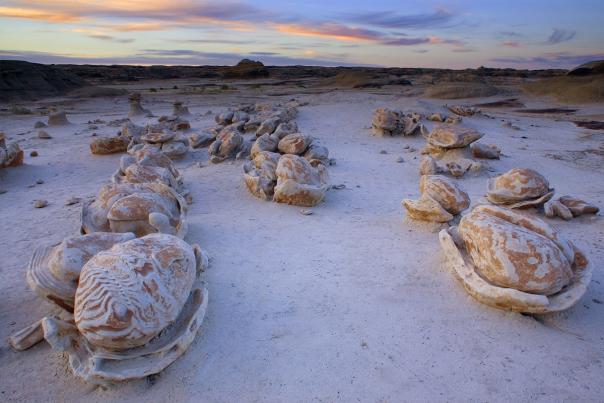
(328, 31)
(38, 15)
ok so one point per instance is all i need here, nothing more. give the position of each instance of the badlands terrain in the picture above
(352, 302)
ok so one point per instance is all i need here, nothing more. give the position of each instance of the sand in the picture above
(352, 303)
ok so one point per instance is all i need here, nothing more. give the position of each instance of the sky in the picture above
(443, 34)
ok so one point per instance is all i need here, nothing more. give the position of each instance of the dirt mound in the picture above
(24, 80)
(448, 90)
(569, 89)
(588, 69)
(350, 78)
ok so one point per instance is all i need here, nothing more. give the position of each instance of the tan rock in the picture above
(577, 206)
(299, 183)
(445, 136)
(446, 192)
(519, 187)
(426, 209)
(296, 143)
(553, 208)
(109, 145)
(486, 151)
(266, 142)
(260, 174)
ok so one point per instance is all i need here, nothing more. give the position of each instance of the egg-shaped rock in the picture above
(128, 294)
(446, 192)
(517, 185)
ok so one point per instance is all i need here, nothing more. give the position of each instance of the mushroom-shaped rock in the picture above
(445, 136)
(512, 261)
(136, 108)
(109, 212)
(296, 143)
(299, 183)
(109, 145)
(260, 174)
(518, 188)
(57, 118)
(53, 271)
(178, 109)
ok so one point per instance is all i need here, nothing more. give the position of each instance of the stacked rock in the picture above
(129, 287)
(441, 200)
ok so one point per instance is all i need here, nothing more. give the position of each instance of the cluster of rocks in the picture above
(523, 188)
(166, 135)
(129, 288)
(387, 122)
(441, 200)
(11, 154)
(450, 149)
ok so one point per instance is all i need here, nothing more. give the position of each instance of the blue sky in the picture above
(446, 34)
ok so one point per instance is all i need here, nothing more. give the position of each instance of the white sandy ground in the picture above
(353, 303)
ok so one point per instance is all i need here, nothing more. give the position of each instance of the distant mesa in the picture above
(247, 68)
(588, 69)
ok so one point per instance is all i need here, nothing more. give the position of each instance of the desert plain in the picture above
(354, 302)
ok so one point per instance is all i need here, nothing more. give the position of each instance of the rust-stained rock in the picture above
(299, 183)
(198, 140)
(109, 145)
(385, 122)
(296, 143)
(447, 136)
(57, 118)
(578, 207)
(266, 142)
(426, 209)
(485, 151)
(227, 145)
(446, 192)
(519, 188)
(553, 208)
(11, 154)
(515, 262)
(463, 110)
(318, 153)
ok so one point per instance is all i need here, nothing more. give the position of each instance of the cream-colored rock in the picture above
(53, 271)
(128, 294)
(508, 251)
(260, 174)
(577, 206)
(317, 153)
(515, 262)
(11, 154)
(446, 192)
(286, 128)
(426, 209)
(296, 143)
(486, 151)
(518, 188)
(139, 208)
(553, 208)
(299, 183)
(446, 136)
(428, 166)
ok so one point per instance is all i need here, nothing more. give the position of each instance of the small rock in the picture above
(189, 199)
(39, 125)
(72, 200)
(33, 153)
(383, 152)
(406, 147)
(400, 159)
(306, 212)
(39, 181)
(40, 203)
(44, 135)
(332, 161)
(33, 185)
(410, 149)
(2, 191)
(338, 187)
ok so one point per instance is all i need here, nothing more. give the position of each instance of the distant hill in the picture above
(24, 80)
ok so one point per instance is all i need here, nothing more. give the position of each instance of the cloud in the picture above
(561, 60)
(111, 38)
(511, 44)
(510, 34)
(392, 19)
(560, 35)
(329, 30)
(406, 41)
